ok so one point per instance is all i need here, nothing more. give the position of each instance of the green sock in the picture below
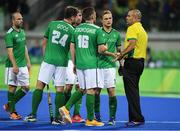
(59, 102)
(19, 94)
(36, 99)
(67, 96)
(11, 101)
(97, 104)
(74, 98)
(77, 107)
(112, 106)
(90, 106)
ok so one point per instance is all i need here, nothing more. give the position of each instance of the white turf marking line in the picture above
(150, 122)
(21, 121)
(157, 122)
(166, 122)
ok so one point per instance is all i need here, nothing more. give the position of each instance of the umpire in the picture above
(134, 55)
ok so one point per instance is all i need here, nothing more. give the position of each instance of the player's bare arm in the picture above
(27, 59)
(130, 47)
(73, 53)
(12, 59)
(44, 42)
(102, 49)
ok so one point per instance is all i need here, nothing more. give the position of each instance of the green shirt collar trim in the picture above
(131, 39)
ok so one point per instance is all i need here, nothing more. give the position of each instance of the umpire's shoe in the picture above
(134, 124)
(30, 118)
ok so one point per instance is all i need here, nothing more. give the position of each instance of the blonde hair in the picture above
(105, 12)
(14, 13)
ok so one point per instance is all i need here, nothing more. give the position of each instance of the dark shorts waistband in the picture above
(138, 59)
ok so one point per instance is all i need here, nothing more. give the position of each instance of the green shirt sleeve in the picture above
(46, 34)
(101, 37)
(9, 40)
(73, 36)
(118, 40)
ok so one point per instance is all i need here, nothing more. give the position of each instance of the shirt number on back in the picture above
(56, 38)
(83, 41)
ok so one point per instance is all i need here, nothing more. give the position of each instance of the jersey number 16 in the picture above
(83, 41)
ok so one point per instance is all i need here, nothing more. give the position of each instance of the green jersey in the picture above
(17, 41)
(112, 40)
(69, 56)
(59, 35)
(85, 40)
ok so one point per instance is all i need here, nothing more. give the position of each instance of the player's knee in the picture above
(40, 85)
(90, 91)
(111, 92)
(12, 89)
(59, 88)
(97, 91)
(83, 91)
(25, 89)
(77, 87)
(68, 88)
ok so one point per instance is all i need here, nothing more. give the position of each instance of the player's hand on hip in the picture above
(15, 70)
(29, 66)
(74, 69)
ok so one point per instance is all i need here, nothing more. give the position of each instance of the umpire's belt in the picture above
(136, 59)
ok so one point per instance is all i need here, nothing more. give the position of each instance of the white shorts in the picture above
(21, 79)
(87, 78)
(107, 77)
(71, 78)
(49, 71)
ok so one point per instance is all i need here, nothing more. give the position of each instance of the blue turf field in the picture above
(160, 114)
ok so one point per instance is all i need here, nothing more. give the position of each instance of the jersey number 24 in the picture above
(58, 39)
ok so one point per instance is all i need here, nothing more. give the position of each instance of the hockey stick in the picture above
(50, 104)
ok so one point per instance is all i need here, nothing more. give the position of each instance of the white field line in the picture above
(150, 122)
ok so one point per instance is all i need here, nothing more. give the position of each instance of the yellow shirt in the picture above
(137, 32)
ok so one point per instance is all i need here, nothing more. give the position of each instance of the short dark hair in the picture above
(87, 13)
(137, 13)
(70, 11)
